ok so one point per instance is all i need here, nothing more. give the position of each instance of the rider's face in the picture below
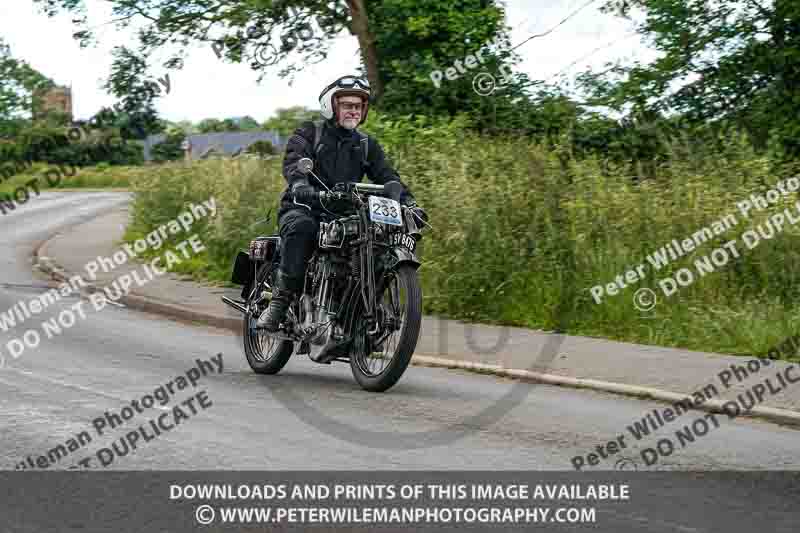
(349, 110)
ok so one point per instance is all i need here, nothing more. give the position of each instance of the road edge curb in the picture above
(142, 303)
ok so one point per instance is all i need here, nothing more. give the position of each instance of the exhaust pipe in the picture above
(236, 305)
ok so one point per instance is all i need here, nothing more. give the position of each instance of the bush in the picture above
(9, 150)
(523, 231)
(262, 148)
(170, 149)
(49, 144)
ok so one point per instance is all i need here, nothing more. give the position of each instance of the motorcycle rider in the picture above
(338, 158)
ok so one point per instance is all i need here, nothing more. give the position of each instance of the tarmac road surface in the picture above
(309, 417)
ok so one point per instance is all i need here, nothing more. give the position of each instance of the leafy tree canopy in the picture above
(286, 120)
(401, 41)
(19, 82)
(728, 60)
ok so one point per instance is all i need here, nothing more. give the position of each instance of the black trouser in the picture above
(298, 229)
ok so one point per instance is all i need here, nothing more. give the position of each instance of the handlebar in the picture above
(343, 191)
(325, 196)
(369, 187)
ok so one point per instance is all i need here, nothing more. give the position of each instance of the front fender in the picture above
(399, 255)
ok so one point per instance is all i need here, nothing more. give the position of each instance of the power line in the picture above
(586, 56)
(587, 4)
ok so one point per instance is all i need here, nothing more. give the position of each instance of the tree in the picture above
(247, 123)
(243, 29)
(186, 126)
(286, 120)
(732, 61)
(135, 113)
(263, 148)
(400, 38)
(230, 124)
(211, 125)
(19, 82)
(171, 148)
(419, 37)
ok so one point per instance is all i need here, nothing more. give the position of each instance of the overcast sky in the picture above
(208, 88)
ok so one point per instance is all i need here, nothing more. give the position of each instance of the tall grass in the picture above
(98, 177)
(522, 232)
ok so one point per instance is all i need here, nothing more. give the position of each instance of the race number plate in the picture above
(385, 210)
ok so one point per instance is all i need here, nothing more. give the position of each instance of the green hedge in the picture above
(522, 232)
(63, 146)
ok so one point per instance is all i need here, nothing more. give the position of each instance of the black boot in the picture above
(283, 291)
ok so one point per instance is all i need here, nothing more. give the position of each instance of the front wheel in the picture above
(379, 359)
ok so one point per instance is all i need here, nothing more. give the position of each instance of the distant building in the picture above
(57, 99)
(203, 145)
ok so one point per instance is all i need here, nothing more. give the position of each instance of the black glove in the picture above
(342, 187)
(305, 194)
(335, 200)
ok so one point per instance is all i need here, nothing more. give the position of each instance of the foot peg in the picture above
(236, 304)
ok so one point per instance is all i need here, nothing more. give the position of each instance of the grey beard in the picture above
(349, 123)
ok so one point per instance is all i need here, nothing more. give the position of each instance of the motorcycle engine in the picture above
(331, 235)
(335, 234)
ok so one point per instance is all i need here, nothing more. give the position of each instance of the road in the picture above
(309, 417)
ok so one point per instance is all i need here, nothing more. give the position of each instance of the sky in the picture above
(209, 88)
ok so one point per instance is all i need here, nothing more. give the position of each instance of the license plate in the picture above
(385, 210)
(402, 239)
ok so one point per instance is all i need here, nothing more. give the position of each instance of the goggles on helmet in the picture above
(348, 82)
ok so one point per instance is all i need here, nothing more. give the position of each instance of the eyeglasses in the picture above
(350, 106)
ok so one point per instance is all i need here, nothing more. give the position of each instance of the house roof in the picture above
(227, 143)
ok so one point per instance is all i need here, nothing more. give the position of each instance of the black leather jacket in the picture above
(338, 159)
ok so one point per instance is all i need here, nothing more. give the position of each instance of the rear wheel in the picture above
(379, 360)
(265, 354)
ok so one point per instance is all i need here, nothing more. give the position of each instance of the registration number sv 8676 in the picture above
(404, 240)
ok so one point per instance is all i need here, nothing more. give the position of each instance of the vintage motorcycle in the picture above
(361, 302)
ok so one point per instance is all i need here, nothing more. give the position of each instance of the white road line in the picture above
(72, 386)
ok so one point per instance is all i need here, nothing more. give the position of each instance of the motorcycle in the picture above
(361, 301)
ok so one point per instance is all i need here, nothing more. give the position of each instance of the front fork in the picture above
(368, 274)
